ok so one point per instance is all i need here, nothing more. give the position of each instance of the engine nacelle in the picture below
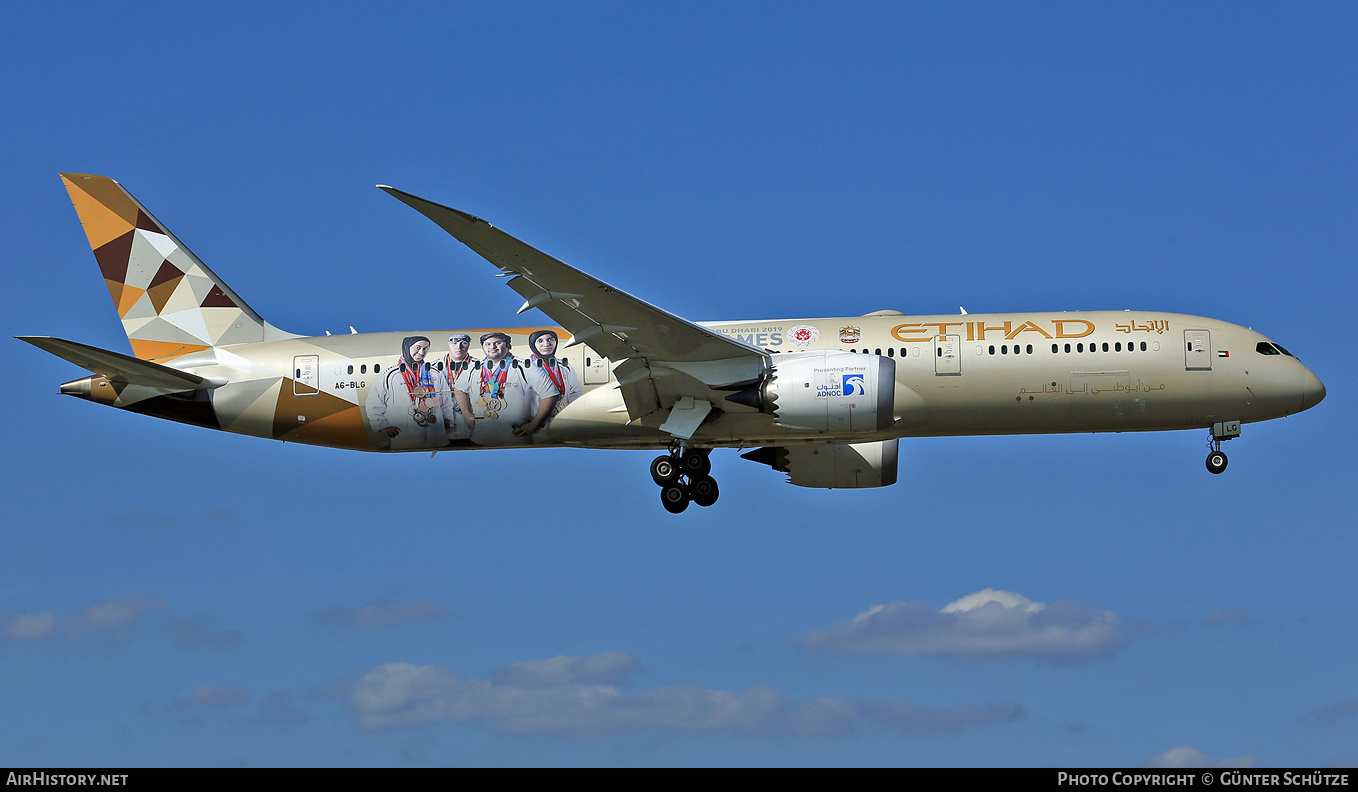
(833, 392)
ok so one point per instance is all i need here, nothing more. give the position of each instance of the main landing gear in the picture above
(683, 476)
(1216, 460)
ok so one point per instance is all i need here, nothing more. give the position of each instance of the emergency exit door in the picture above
(1198, 350)
(947, 355)
(306, 375)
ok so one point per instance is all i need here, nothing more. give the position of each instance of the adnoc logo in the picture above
(854, 385)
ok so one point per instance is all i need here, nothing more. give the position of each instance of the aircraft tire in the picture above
(1216, 462)
(695, 463)
(675, 497)
(705, 490)
(664, 471)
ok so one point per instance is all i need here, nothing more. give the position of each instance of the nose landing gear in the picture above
(683, 477)
(1216, 460)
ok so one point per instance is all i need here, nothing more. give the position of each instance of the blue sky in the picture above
(172, 596)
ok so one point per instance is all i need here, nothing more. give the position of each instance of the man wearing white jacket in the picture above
(496, 397)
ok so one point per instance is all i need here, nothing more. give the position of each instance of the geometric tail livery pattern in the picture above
(170, 303)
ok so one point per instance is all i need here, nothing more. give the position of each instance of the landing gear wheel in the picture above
(1216, 462)
(704, 490)
(675, 497)
(695, 463)
(664, 470)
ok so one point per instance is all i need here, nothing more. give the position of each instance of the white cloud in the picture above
(1191, 757)
(606, 668)
(988, 624)
(122, 614)
(563, 697)
(381, 612)
(28, 626)
(117, 613)
(207, 696)
(1008, 599)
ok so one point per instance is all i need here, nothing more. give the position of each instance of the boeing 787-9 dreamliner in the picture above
(825, 401)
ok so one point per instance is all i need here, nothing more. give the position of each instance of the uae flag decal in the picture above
(1223, 353)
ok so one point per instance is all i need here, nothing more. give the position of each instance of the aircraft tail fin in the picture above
(170, 303)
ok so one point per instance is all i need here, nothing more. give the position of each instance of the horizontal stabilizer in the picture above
(117, 366)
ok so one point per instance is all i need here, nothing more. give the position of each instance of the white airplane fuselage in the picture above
(1022, 373)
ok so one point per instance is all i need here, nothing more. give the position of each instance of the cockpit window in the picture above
(1269, 348)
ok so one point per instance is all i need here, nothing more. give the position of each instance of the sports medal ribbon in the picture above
(420, 385)
(494, 383)
(553, 369)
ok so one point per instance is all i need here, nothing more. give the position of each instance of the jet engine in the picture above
(831, 392)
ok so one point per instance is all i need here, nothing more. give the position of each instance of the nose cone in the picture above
(1313, 390)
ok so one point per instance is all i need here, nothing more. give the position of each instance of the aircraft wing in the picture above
(117, 366)
(611, 321)
(665, 358)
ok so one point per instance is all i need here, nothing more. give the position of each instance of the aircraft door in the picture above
(947, 355)
(306, 371)
(593, 370)
(1197, 350)
(596, 367)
